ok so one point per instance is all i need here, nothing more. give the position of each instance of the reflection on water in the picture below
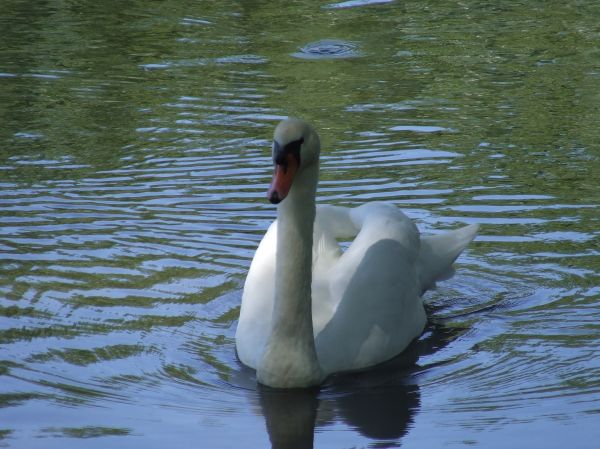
(380, 413)
(379, 404)
(134, 144)
(290, 416)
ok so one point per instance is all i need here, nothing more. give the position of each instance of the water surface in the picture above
(134, 160)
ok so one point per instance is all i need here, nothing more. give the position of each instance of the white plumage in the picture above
(310, 309)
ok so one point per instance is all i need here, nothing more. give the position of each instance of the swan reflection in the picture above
(382, 412)
(379, 403)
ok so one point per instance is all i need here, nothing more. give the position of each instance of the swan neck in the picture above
(293, 267)
(290, 358)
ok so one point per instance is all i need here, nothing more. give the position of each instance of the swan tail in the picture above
(438, 252)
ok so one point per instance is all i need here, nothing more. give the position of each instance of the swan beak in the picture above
(282, 179)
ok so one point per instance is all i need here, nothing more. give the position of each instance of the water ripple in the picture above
(329, 49)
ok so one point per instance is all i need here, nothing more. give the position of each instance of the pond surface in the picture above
(134, 161)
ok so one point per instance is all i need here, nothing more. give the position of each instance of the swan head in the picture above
(295, 148)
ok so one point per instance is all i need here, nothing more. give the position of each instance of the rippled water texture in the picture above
(328, 49)
(134, 160)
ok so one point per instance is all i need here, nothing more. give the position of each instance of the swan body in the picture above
(310, 309)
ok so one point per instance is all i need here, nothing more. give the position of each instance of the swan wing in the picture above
(376, 289)
(331, 223)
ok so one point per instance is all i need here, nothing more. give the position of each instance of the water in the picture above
(133, 170)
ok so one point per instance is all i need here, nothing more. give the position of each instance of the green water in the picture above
(134, 161)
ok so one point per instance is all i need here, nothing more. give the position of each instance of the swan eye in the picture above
(280, 153)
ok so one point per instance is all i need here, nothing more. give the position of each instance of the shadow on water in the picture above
(379, 403)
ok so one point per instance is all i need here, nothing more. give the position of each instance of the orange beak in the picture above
(282, 179)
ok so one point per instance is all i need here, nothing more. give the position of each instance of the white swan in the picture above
(310, 309)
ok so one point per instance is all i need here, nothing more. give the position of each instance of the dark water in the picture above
(134, 140)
